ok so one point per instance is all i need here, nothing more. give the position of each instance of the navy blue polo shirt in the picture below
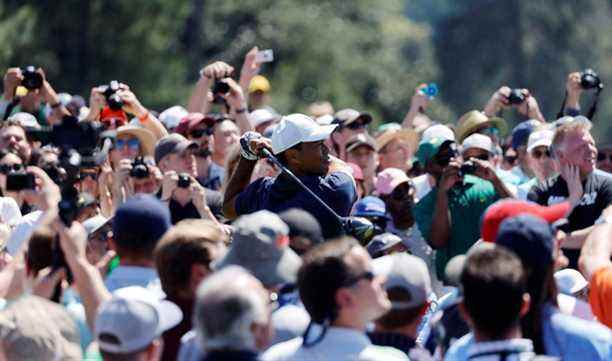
(277, 194)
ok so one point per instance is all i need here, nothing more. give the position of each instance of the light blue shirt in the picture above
(564, 336)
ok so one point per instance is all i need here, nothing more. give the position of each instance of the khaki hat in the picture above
(146, 138)
(407, 135)
(358, 140)
(472, 120)
(348, 116)
(33, 328)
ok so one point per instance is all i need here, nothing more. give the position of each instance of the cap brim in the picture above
(170, 315)
(356, 145)
(323, 132)
(181, 147)
(543, 142)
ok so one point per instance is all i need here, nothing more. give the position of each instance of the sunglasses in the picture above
(484, 157)
(198, 133)
(92, 175)
(602, 156)
(510, 159)
(537, 154)
(357, 125)
(10, 168)
(133, 143)
(352, 281)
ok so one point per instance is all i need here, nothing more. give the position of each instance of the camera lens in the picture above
(516, 96)
(220, 87)
(114, 102)
(31, 79)
(184, 181)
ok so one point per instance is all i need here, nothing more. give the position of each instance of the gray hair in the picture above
(226, 307)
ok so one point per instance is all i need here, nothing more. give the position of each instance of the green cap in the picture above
(429, 148)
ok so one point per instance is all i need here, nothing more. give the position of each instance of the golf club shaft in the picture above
(293, 177)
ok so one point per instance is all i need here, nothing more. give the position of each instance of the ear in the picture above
(526, 305)
(198, 273)
(344, 298)
(292, 156)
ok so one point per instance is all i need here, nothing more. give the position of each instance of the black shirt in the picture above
(214, 200)
(597, 196)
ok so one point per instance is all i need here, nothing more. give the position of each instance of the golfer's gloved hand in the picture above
(245, 145)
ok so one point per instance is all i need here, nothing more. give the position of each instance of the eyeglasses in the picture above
(92, 175)
(484, 157)
(352, 281)
(10, 168)
(357, 125)
(133, 143)
(537, 154)
(602, 156)
(198, 133)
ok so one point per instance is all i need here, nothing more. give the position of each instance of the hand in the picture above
(169, 184)
(251, 145)
(12, 79)
(97, 101)
(218, 70)
(106, 176)
(47, 194)
(73, 240)
(498, 101)
(198, 196)
(250, 67)
(530, 107)
(571, 175)
(484, 170)
(573, 89)
(131, 104)
(419, 101)
(122, 172)
(450, 176)
(235, 97)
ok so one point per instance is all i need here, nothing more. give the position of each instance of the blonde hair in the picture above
(562, 132)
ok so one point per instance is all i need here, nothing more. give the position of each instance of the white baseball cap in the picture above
(407, 272)
(172, 116)
(132, 319)
(479, 141)
(438, 131)
(540, 138)
(298, 128)
(569, 281)
(260, 116)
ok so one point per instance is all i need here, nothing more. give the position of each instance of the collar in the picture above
(488, 348)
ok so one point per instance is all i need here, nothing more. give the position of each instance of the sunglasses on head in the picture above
(537, 154)
(131, 143)
(198, 133)
(352, 281)
(602, 156)
(10, 168)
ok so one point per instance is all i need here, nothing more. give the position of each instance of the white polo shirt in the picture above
(339, 344)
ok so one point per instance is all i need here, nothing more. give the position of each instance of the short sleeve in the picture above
(600, 295)
(249, 200)
(423, 213)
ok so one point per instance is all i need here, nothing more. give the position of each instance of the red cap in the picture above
(499, 211)
(191, 120)
(113, 118)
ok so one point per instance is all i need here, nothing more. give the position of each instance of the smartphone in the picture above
(265, 56)
(20, 181)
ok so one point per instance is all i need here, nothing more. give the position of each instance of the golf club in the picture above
(358, 227)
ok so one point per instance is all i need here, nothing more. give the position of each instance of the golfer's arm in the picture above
(441, 223)
(239, 180)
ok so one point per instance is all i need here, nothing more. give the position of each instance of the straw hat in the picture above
(473, 120)
(146, 138)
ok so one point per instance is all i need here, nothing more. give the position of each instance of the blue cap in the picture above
(370, 206)
(530, 237)
(143, 218)
(520, 133)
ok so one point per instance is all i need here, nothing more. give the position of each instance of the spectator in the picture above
(226, 134)
(425, 182)
(448, 216)
(604, 158)
(172, 116)
(373, 209)
(397, 191)
(259, 90)
(385, 244)
(500, 100)
(199, 128)
(261, 245)
(396, 148)
(231, 316)
(183, 259)
(350, 122)
(357, 175)
(129, 326)
(596, 266)
(341, 293)
(540, 160)
(13, 137)
(262, 119)
(33, 329)
(408, 287)
(298, 143)
(589, 189)
(319, 109)
(361, 149)
(174, 156)
(494, 300)
(137, 227)
(520, 135)
(11, 163)
(304, 230)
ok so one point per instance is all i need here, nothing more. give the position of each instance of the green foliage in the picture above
(363, 54)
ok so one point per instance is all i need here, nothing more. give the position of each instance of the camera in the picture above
(219, 89)
(140, 169)
(590, 80)
(184, 180)
(516, 97)
(19, 181)
(467, 168)
(110, 93)
(31, 79)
